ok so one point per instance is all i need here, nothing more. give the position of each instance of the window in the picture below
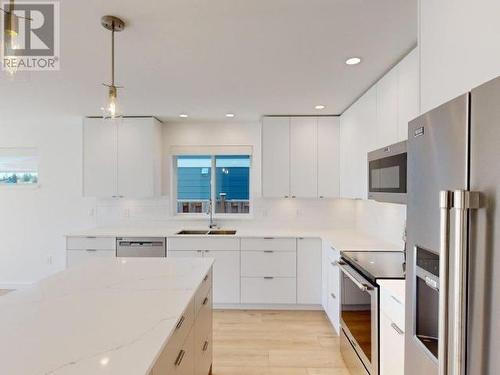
(18, 167)
(229, 174)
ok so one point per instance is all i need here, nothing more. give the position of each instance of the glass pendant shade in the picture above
(111, 108)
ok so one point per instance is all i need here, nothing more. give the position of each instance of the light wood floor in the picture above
(275, 343)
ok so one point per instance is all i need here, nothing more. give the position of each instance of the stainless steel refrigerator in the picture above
(453, 242)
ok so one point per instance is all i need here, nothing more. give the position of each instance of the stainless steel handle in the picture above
(268, 278)
(444, 243)
(333, 296)
(396, 300)
(334, 264)
(360, 285)
(397, 329)
(205, 278)
(179, 323)
(463, 201)
(91, 237)
(286, 196)
(91, 250)
(205, 301)
(205, 346)
(269, 238)
(268, 251)
(179, 358)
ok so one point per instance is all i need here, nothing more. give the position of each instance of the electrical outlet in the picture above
(49, 259)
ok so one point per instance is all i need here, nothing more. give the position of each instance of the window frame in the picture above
(22, 151)
(213, 188)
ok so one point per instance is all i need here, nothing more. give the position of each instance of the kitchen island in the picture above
(140, 316)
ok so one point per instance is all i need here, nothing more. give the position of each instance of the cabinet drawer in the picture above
(392, 344)
(90, 243)
(268, 263)
(392, 307)
(183, 360)
(269, 243)
(203, 343)
(203, 296)
(268, 290)
(202, 243)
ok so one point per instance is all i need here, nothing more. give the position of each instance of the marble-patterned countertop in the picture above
(107, 316)
(341, 239)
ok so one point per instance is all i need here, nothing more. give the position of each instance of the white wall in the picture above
(460, 47)
(33, 222)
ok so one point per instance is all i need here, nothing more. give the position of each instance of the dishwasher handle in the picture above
(140, 243)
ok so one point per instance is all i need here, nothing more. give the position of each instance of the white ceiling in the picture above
(206, 58)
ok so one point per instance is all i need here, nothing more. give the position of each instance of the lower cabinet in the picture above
(189, 349)
(309, 272)
(392, 326)
(331, 285)
(268, 290)
(80, 249)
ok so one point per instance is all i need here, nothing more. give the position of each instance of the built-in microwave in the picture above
(387, 174)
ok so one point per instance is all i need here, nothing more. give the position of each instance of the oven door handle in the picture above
(359, 284)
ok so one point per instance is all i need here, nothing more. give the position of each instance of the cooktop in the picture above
(377, 264)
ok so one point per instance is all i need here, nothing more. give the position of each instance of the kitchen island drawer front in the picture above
(90, 243)
(184, 360)
(270, 290)
(203, 295)
(268, 263)
(202, 243)
(392, 307)
(269, 243)
(203, 339)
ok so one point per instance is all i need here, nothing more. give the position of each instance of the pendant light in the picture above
(111, 109)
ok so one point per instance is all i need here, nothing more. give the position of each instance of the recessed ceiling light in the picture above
(353, 61)
(320, 106)
(230, 115)
(183, 115)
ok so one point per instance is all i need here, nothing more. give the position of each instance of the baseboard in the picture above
(238, 306)
(15, 286)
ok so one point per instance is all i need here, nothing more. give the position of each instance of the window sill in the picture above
(20, 186)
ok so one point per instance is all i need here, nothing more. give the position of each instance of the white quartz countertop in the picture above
(107, 316)
(341, 239)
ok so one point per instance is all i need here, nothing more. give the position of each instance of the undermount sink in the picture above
(214, 232)
(193, 232)
(227, 232)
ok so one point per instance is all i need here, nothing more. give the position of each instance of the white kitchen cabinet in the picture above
(309, 272)
(121, 158)
(226, 268)
(80, 249)
(268, 290)
(332, 293)
(392, 326)
(268, 263)
(303, 157)
(276, 157)
(328, 136)
(226, 275)
(387, 109)
(408, 93)
(139, 158)
(300, 157)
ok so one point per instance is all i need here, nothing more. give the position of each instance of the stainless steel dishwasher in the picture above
(141, 247)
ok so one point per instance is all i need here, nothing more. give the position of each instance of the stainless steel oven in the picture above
(387, 174)
(359, 321)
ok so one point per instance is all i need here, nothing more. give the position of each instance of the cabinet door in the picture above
(303, 157)
(226, 275)
(408, 93)
(392, 344)
(334, 293)
(328, 157)
(76, 257)
(99, 158)
(276, 157)
(138, 158)
(387, 109)
(309, 271)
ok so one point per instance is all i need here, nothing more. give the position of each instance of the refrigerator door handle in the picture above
(445, 203)
(463, 201)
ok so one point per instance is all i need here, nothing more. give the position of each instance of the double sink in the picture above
(214, 232)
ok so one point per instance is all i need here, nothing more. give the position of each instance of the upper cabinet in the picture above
(328, 157)
(121, 158)
(303, 157)
(379, 118)
(276, 157)
(300, 157)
